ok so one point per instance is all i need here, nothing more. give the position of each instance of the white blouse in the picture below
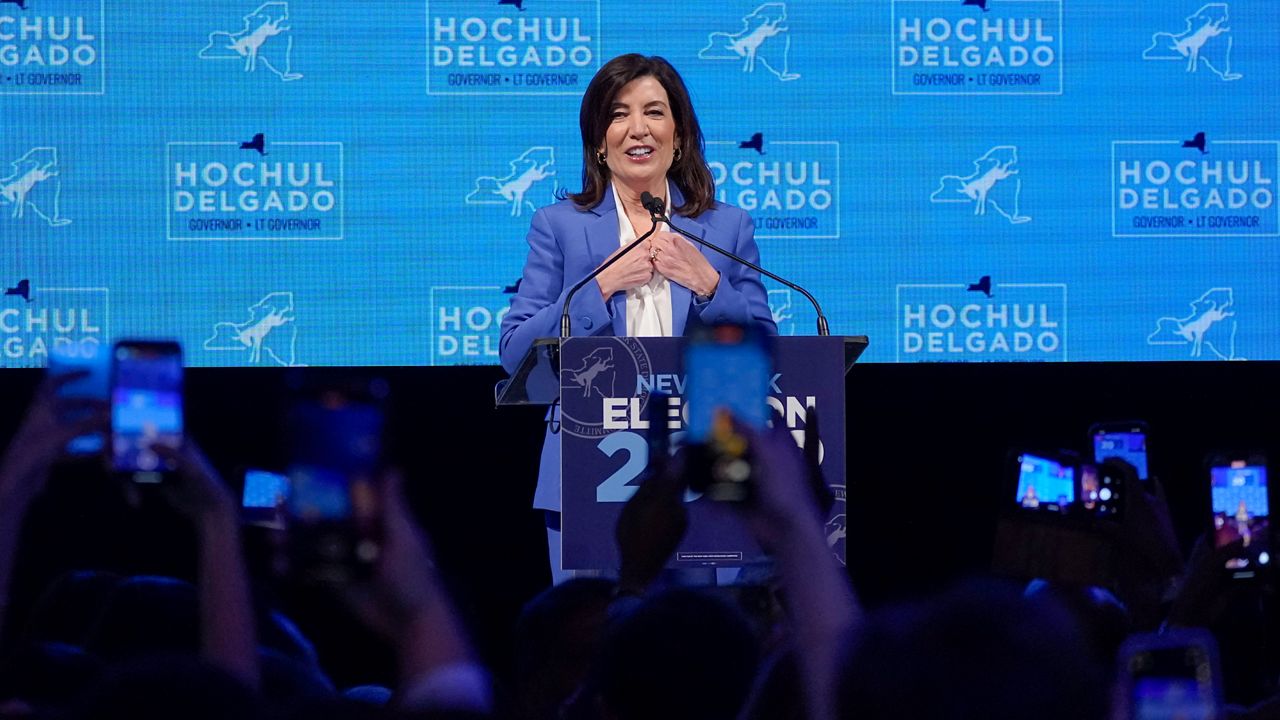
(648, 306)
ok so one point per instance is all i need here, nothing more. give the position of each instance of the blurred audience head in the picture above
(981, 650)
(1102, 618)
(146, 615)
(70, 607)
(287, 681)
(46, 677)
(683, 653)
(556, 638)
(164, 687)
(279, 633)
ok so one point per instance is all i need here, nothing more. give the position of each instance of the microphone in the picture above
(647, 201)
(657, 207)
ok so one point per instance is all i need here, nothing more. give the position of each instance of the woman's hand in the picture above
(633, 270)
(678, 260)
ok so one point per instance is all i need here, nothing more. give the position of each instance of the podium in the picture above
(603, 387)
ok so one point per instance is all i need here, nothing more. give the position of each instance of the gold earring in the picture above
(600, 156)
(678, 155)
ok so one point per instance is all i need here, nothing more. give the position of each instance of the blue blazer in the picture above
(566, 244)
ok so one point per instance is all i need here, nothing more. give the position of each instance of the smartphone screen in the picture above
(332, 498)
(94, 361)
(1045, 483)
(660, 421)
(1125, 442)
(320, 494)
(727, 367)
(1172, 683)
(146, 406)
(1170, 698)
(1241, 512)
(265, 494)
(1100, 488)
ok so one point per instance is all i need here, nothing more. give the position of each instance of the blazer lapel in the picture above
(602, 241)
(681, 296)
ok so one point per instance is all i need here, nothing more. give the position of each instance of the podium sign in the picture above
(607, 387)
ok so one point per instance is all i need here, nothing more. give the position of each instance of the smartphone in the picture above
(1241, 512)
(1101, 487)
(660, 421)
(146, 407)
(93, 361)
(1174, 674)
(1058, 483)
(333, 515)
(1045, 482)
(1126, 441)
(728, 369)
(264, 497)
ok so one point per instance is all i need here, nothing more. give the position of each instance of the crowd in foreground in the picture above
(796, 644)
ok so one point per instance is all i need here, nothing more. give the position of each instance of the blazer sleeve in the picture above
(537, 306)
(740, 295)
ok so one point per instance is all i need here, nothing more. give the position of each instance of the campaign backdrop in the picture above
(315, 182)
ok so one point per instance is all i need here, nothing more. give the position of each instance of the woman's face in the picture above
(640, 140)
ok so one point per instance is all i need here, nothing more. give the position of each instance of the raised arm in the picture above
(228, 634)
(786, 519)
(40, 440)
(407, 604)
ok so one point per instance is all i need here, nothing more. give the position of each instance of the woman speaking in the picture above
(639, 134)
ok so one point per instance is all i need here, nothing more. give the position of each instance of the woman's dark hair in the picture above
(689, 172)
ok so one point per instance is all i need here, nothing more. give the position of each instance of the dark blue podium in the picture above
(605, 387)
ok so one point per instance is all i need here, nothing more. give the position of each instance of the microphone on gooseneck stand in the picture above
(657, 207)
(647, 201)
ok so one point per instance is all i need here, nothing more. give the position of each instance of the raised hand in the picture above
(228, 633)
(408, 605)
(40, 441)
(404, 581)
(651, 526)
(42, 438)
(785, 516)
(196, 490)
(785, 500)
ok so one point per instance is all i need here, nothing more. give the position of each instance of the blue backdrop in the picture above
(333, 183)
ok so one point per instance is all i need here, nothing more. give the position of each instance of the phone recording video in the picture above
(1055, 523)
(264, 498)
(728, 369)
(92, 363)
(1045, 483)
(1059, 484)
(146, 407)
(332, 504)
(1125, 441)
(1171, 676)
(1241, 512)
(660, 421)
(1100, 488)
